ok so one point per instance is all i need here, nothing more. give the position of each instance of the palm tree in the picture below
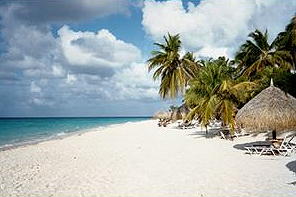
(256, 54)
(190, 65)
(287, 40)
(173, 70)
(214, 94)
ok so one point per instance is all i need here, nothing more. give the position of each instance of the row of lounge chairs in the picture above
(163, 122)
(225, 134)
(282, 147)
(181, 125)
(187, 125)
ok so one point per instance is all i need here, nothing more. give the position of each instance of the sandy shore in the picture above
(140, 159)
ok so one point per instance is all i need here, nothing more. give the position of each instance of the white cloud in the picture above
(134, 82)
(214, 27)
(214, 52)
(101, 49)
(74, 68)
(71, 72)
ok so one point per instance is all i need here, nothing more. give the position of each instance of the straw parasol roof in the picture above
(180, 112)
(271, 110)
(176, 114)
(184, 110)
(162, 115)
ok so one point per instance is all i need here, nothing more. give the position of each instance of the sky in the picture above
(88, 57)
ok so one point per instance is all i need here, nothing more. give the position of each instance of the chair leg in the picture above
(262, 151)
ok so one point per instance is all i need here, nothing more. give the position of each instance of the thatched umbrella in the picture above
(162, 115)
(270, 110)
(184, 110)
(179, 112)
(176, 114)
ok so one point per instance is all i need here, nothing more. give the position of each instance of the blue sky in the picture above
(88, 58)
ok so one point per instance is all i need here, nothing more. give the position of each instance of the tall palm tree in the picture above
(190, 65)
(256, 54)
(173, 70)
(214, 94)
(286, 40)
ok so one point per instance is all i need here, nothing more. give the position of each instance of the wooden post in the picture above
(273, 134)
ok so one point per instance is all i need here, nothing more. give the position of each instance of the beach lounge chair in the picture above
(259, 149)
(225, 134)
(222, 135)
(285, 148)
(240, 134)
(163, 122)
(186, 125)
(276, 147)
(290, 145)
(268, 150)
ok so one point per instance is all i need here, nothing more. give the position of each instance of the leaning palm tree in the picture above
(256, 54)
(190, 65)
(173, 70)
(286, 40)
(214, 94)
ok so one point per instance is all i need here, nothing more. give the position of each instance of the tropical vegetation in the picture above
(217, 88)
(173, 69)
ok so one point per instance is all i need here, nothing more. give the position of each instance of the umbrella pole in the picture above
(273, 134)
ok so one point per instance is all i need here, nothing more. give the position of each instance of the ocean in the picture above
(21, 131)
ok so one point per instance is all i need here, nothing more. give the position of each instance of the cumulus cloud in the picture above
(71, 72)
(99, 51)
(135, 83)
(213, 28)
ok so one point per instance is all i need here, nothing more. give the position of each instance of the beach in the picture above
(142, 159)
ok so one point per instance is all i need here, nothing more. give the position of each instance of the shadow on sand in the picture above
(292, 167)
(244, 145)
(199, 134)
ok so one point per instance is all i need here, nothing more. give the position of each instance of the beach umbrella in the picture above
(270, 110)
(176, 114)
(162, 115)
(179, 113)
(184, 110)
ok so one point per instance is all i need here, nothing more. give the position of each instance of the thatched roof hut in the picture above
(271, 110)
(176, 114)
(162, 115)
(184, 110)
(180, 113)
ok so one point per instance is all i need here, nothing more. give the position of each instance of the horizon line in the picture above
(75, 117)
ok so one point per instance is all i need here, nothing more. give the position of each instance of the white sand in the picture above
(140, 159)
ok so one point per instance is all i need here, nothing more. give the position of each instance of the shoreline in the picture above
(142, 159)
(59, 136)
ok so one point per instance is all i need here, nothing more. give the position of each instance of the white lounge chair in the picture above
(260, 149)
(283, 149)
(289, 144)
(186, 125)
(222, 135)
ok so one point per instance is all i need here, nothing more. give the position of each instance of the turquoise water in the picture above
(18, 131)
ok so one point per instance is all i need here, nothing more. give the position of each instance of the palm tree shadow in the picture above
(213, 132)
(292, 167)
